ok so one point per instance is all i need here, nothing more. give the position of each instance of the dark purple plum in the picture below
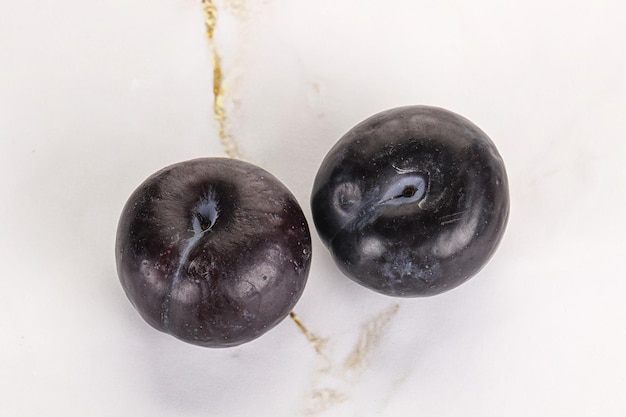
(412, 201)
(214, 251)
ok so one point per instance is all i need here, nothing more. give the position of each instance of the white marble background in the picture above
(95, 96)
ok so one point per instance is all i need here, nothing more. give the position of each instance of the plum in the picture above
(411, 202)
(213, 251)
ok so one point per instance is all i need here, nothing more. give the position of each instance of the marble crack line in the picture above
(219, 95)
(332, 383)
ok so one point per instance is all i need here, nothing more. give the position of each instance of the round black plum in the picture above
(214, 251)
(411, 202)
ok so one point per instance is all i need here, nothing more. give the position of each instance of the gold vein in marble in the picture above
(334, 382)
(219, 111)
(324, 399)
(370, 338)
(316, 342)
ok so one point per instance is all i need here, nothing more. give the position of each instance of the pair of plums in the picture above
(411, 202)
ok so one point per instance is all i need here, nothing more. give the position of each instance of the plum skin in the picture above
(213, 251)
(412, 201)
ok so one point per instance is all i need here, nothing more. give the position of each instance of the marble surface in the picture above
(95, 96)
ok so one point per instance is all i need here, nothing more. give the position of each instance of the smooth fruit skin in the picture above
(412, 201)
(214, 251)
